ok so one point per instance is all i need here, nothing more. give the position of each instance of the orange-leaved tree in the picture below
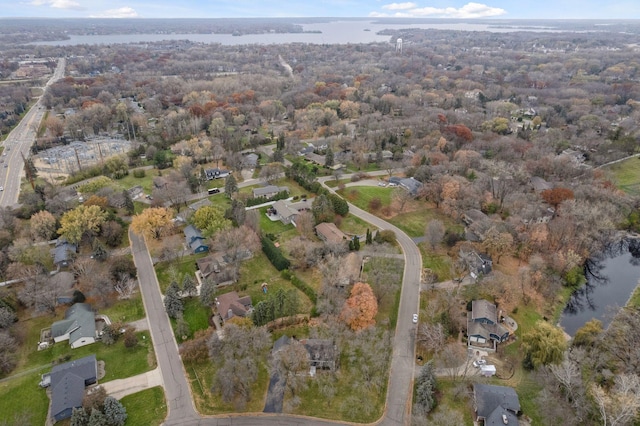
(557, 195)
(360, 308)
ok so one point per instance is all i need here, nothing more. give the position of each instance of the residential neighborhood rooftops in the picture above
(492, 402)
(232, 305)
(68, 381)
(330, 233)
(78, 325)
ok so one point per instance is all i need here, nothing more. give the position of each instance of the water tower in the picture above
(399, 45)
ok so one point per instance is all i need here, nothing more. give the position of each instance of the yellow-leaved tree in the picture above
(153, 222)
(360, 309)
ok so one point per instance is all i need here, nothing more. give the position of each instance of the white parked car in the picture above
(415, 318)
(477, 363)
(1, 188)
(382, 183)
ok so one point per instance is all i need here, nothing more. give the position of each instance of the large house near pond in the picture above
(484, 329)
(495, 405)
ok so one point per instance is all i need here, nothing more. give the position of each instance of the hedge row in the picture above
(300, 285)
(274, 255)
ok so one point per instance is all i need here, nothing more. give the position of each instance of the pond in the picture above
(611, 278)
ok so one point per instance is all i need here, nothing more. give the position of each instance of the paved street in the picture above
(399, 392)
(19, 142)
(176, 388)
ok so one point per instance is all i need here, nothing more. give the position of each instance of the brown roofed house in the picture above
(231, 305)
(329, 233)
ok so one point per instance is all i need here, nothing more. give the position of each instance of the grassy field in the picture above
(439, 263)
(147, 407)
(201, 376)
(196, 315)
(126, 310)
(176, 269)
(145, 182)
(445, 395)
(361, 196)
(276, 227)
(14, 395)
(626, 175)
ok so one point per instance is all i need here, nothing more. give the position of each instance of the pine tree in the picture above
(230, 186)
(114, 412)
(79, 417)
(189, 286)
(369, 238)
(425, 388)
(356, 243)
(128, 202)
(172, 302)
(97, 418)
(328, 158)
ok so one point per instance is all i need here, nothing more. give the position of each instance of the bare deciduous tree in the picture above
(434, 233)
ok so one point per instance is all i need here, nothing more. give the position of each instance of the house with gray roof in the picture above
(63, 253)
(329, 233)
(285, 213)
(496, 405)
(250, 161)
(268, 191)
(195, 240)
(78, 326)
(483, 326)
(68, 382)
(321, 353)
(411, 185)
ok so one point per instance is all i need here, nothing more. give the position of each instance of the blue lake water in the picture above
(610, 281)
(335, 32)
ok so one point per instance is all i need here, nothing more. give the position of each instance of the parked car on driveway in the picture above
(477, 363)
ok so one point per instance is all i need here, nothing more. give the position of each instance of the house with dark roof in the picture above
(216, 173)
(478, 264)
(483, 326)
(411, 185)
(215, 269)
(322, 353)
(194, 239)
(329, 233)
(63, 253)
(68, 382)
(78, 326)
(268, 191)
(231, 305)
(496, 405)
(250, 161)
(539, 184)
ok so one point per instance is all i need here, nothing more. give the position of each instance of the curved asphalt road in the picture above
(177, 390)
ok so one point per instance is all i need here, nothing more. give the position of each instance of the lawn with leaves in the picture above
(14, 395)
(125, 311)
(147, 407)
(146, 182)
(195, 314)
(175, 269)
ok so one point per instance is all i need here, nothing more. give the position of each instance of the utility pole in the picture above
(77, 158)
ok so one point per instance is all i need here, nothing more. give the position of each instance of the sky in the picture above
(508, 9)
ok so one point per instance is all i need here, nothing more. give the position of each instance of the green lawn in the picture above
(276, 227)
(201, 376)
(23, 395)
(353, 225)
(146, 182)
(186, 265)
(361, 196)
(438, 262)
(196, 315)
(147, 407)
(626, 175)
(126, 310)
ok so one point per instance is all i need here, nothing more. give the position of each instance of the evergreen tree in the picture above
(328, 158)
(189, 285)
(369, 238)
(114, 412)
(172, 302)
(425, 388)
(356, 243)
(79, 417)
(230, 186)
(351, 247)
(128, 202)
(97, 418)
(207, 292)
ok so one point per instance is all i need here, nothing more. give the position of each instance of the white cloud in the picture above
(469, 10)
(400, 6)
(59, 4)
(123, 12)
